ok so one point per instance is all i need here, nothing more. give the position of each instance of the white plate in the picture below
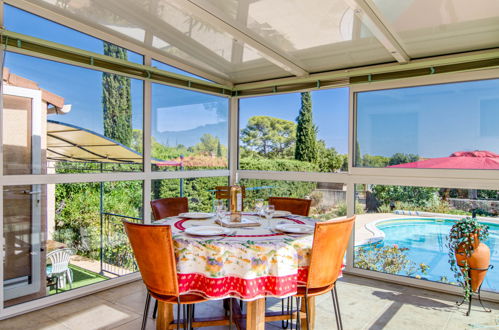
(196, 215)
(206, 230)
(280, 214)
(295, 228)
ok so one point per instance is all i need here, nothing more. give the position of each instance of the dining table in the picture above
(244, 263)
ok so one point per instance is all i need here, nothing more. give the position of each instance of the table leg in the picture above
(165, 315)
(311, 313)
(255, 314)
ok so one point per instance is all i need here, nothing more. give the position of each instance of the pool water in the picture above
(426, 239)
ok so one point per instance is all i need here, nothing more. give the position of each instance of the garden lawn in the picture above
(81, 277)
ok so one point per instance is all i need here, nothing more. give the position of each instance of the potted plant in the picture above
(469, 257)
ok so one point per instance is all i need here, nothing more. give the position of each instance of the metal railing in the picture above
(116, 256)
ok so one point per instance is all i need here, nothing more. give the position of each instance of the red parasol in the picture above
(478, 160)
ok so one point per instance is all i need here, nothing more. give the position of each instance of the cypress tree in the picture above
(219, 149)
(116, 100)
(306, 132)
(358, 158)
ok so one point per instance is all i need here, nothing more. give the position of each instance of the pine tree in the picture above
(116, 100)
(306, 132)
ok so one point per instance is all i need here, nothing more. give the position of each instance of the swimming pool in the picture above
(426, 239)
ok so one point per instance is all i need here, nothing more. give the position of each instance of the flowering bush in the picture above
(390, 259)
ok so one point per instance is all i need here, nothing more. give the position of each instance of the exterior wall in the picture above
(331, 197)
(468, 204)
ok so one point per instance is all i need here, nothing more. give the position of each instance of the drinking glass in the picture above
(258, 207)
(220, 209)
(268, 212)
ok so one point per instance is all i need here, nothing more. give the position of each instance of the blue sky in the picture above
(330, 113)
(431, 121)
(182, 116)
(80, 87)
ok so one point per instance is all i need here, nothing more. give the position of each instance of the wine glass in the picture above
(258, 207)
(269, 213)
(220, 209)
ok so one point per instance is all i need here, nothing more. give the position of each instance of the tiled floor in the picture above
(365, 304)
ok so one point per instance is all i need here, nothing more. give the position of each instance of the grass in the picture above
(81, 277)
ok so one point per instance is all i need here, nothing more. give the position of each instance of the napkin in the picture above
(225, 222)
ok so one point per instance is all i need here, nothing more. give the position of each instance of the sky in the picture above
(330, 113)
(430, 121)
(68, 81)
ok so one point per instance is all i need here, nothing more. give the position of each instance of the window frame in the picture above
(471, 179)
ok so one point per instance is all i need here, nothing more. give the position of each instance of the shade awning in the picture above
(66, 142)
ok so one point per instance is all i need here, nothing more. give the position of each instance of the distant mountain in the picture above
(191, 137)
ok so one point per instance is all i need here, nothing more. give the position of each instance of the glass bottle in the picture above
(236, 203)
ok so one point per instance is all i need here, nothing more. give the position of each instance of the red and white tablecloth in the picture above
(256, 262)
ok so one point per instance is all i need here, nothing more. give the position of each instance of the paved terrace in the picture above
(365, 304)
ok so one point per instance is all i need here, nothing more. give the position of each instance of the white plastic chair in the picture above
(60, 267)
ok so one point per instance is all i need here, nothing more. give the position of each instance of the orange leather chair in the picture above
(163, 208)
(294, 205)
(326, 259)
(169, 207)
(154, 254)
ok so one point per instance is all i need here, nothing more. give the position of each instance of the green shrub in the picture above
(384, 208)
(341, 209)
(387, 259)
(417, 196)
(437, 206)
(262, 164)
(359, 208)
(297, 189)
(77, 216)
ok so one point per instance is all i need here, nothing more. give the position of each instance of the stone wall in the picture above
(491, 206)
(331, 197)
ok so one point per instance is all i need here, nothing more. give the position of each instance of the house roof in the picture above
(49, 97)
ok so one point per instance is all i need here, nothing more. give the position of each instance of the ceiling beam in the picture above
(163, 30)
(441, 60)
(219, 20)
(367, 12)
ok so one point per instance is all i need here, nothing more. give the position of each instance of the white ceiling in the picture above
(251, 40)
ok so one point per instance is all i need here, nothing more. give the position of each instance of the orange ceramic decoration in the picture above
(479, 261)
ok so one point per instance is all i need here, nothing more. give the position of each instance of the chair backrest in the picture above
(60, 260)
(328, 250)
(169, 207)
(223, 192)
(297, 206)
(154, 254)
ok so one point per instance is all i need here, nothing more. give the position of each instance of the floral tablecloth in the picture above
(250, 263)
